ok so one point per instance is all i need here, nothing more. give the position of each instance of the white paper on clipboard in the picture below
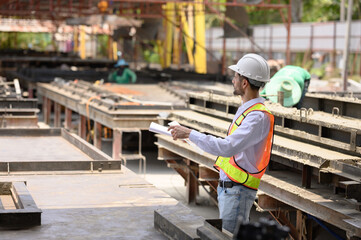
(200, 151)
(156, 128)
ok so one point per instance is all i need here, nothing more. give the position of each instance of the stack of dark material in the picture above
(48, 74)
(264, 229)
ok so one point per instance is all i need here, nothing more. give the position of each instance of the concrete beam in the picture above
(177, 222)
(27, 213)
(314, 202)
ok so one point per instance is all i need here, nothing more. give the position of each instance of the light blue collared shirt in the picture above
(246, 143)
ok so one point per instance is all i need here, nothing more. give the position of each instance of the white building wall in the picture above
(326, 37)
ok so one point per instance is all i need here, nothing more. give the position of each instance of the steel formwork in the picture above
(16, 111)
(122, 109)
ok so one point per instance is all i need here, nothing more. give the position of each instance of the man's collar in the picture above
(252, 102)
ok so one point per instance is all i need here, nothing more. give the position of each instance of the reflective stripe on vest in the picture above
(230, 166)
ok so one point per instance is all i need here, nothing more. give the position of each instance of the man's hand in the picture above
(179, 132)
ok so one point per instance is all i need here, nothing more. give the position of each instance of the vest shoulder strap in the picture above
(254, 107)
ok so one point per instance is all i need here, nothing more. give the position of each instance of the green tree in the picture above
(302, 11)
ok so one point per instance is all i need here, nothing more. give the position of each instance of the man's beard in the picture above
(239, 92)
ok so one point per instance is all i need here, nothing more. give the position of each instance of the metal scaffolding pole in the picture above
(347, 45)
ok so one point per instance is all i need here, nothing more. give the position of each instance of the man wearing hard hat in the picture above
(122, 74)
(245, 153)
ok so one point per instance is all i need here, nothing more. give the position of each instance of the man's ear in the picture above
(245, 83)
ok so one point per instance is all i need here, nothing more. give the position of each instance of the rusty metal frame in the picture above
(18, 112)
(52, 9)
(60, 10)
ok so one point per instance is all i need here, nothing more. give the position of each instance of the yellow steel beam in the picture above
(169, 37)
(176, 36)
(115, 50)
(188, 39)
(82, 43)
(200, 56)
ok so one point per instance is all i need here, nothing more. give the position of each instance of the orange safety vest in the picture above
(230, 166)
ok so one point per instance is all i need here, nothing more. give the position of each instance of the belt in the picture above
(228, 184)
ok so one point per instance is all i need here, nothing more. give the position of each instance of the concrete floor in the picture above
(169, 181)
(92, 206)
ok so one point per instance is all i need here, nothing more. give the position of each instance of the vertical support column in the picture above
(300, 225)
(117, 143)
(30, 90)
(334, 52)
(270, 53)
(281, 98)
(192, 183)
(46, 109)
(306, 176)
(82, 127)
(98, 135)
(188, 33)
(82, 46)
(57, 114)
(200, 56)
(45, 104)
(68, 116)
(170, 6)
(289, 19)
(224, 56)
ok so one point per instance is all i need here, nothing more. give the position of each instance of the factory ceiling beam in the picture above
(233, 3)
(53, 9)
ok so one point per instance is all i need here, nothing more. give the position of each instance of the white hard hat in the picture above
(254, 67)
